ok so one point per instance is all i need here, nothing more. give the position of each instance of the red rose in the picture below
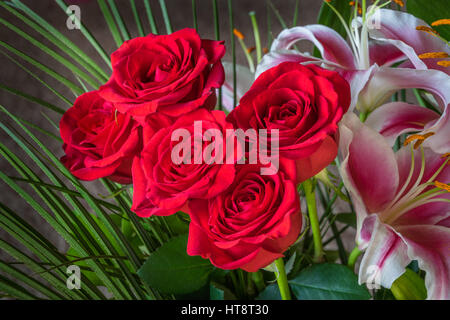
(162, 184)
(173, 74)
(249, 225)
(305, 103)
(98, 141)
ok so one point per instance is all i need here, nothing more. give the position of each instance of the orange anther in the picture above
(238, 34)
(444, 63)
(440, 22)
(442, 186)
(431, 55)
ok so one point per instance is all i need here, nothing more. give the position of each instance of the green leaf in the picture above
(329, 18)
(383, 294)
(271, 292)
(166, 16)
(119, 20)
(169, 269)
(431, 11)
(328, 281)
(150, 17)
(347, 218)
(110, 21)
(177, 224)
(216, 293)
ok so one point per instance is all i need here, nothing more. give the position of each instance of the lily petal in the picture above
(368, 168)
(333, 48)
(384, 54)
(274, 58)
(386, 256)
(399, 29)
(395, 118)
(429, 245)
(244, 80)
(385, 81)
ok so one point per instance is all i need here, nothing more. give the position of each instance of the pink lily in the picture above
(367, 66)
(402, 202)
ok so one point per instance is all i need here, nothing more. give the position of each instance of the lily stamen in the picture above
(352, 3)
(432, 55)
(400, 3)
(443, 186)
(428, 30)
(416, 196)
(444, 63)
(440, 22)
(419, 137)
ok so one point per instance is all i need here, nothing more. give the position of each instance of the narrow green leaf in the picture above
(69, 84)
(347, 218)
(137, 18)
(45, 84)
(150, 17)
(15, 290)
(66, 63)
(166, 16)
(88, 36)
(85, 215)
(295, 18)
(56, 37)
(32, 283)
(32, 99)
(61, 42)
(277, 14)
(194, 14)
(110, 22)
(119, 20)
(328, 18)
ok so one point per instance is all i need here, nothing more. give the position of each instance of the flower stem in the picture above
(282, 280)
(313, 219)
(256, 34)
(353, 257)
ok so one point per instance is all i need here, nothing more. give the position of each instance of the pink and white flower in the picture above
(377, 42)
(402, 203)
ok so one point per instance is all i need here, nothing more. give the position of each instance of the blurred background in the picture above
(180, 12)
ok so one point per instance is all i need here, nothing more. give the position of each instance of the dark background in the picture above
(181, 16)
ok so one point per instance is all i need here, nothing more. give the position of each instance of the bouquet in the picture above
(181, 173)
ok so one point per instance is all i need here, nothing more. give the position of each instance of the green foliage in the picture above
(271, 292)
(430, 11)
(106, 240)
(171, 270)
(328, 281)
(329, 18)
(409, 286)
